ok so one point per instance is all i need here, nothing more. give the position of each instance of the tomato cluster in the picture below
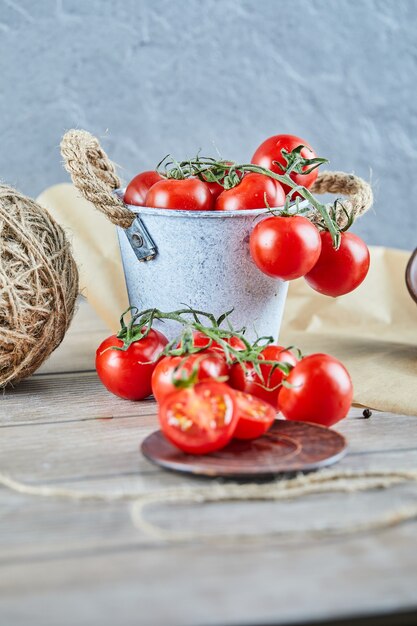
(285, 245)
(211, 391)
(192, 194)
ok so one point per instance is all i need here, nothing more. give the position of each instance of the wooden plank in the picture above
(68, 449)
(65, 397)
(77, 351)
(192, 585)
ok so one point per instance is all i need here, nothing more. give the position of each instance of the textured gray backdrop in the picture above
(177, 75)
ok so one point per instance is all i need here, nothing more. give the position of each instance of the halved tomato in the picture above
(199, 419)
(255, 416)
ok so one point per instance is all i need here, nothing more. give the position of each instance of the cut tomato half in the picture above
(255, 416)
(199, 419)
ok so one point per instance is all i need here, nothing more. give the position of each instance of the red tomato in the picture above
(339, 271)
(215, 189)
(201, 340)
(189, 194)
(139, 186)
(199, 419)
(128, 373)
(250, 194)
(270, 151)
(322, 391)
(267, 387)
(285, 247)
(211, 366)
(255, 416)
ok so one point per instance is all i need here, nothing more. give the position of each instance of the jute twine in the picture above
(344, 481)
(94, 174)
(38, 285)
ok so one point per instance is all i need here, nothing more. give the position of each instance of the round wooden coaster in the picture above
(288, 447)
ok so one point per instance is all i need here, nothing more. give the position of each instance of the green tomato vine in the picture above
(229, 174)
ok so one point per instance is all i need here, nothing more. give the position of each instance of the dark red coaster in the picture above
(287, 447)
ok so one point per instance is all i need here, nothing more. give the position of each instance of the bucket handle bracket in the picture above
(140, 240)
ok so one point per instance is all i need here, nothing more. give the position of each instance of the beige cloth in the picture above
(372, 330)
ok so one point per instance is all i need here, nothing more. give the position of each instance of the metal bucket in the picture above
(201, 259)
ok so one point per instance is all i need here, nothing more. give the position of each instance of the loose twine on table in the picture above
(328, 481)
(94, 175)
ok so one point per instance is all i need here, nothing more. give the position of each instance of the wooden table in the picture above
(76, 563)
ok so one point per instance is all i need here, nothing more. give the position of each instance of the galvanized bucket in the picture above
(200, 259)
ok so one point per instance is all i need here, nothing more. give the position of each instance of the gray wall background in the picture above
(157, 76)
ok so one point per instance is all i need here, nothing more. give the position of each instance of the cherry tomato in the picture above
(200, 340)
(215, 189)
(338, 272)
(250, 194)
(321, 391)
(285, 247)
(210, 366)
(255, 416)
(267, 387)
(139, 186)
(128, 373)
(189, 194)
(270, 151)
(199, 419)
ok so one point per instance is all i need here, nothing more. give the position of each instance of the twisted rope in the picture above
(359, 192)
(94, 175)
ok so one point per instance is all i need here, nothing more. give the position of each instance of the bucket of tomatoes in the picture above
(220, 235)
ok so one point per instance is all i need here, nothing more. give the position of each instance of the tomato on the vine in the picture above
(199, 419)
(200, 340)
(250, 193)
(207, 364)
(270, 151)
(215, 187)
(139, 186)
(128, 373)
(255, 416)
(321, 391)
(188, 194)
(340, 271)
(268, 385)
(285, 247)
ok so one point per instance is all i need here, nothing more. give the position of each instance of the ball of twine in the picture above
(38, 285)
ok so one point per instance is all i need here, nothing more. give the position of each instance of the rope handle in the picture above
(358, 190)
(94, 174)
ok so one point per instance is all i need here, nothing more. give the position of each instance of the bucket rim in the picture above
(145, 210)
